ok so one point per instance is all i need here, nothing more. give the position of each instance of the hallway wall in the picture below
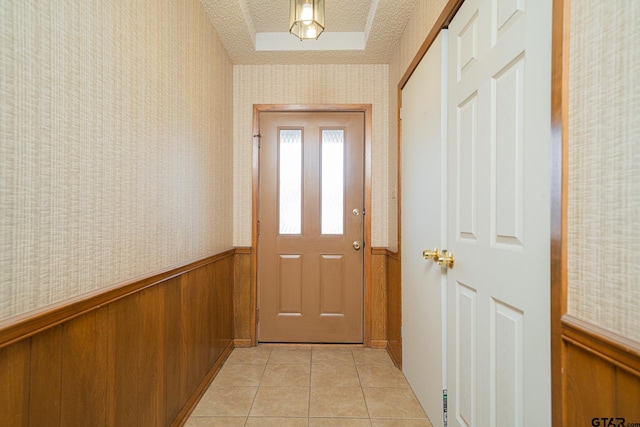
(595, 201)
(115, 152)
(422, 20)
(309, 84)
(137, 357)
(604, 166)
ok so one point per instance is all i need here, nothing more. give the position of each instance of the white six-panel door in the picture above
(423, 152)
(498, 215)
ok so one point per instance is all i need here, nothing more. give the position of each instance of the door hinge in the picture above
(444, 407)
(257, 315)
(258, 136)
(258, 228)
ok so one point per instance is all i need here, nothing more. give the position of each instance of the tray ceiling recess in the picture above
(356, 31)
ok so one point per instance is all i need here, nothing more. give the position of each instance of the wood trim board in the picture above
(558, 251)
(22, 326)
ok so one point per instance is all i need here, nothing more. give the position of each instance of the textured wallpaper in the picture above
(604, 165)
(115, 144)
(422, 19)
(309, 84)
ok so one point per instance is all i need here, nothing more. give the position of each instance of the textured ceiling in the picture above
(379, 22)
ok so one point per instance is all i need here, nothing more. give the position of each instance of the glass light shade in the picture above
(307, 18)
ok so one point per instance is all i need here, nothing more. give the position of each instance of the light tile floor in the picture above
(311, 386)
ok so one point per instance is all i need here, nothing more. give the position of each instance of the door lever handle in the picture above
(427, 254)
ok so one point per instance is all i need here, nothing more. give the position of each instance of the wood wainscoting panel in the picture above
(601, 378)
(243, 301)
(394, 309)
(14, 383)
(46, 377)
(140, 358)
(222, 308)
(123, 363)
(586, 377)
(151, 381)
(174, 348)
(84, 370)
(628, 396)
(378, 307)
(195, 325)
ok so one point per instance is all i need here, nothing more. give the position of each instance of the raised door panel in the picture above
(466, 355)
(467, 148)
(507, 221)
(506, 13)
(507, 372)
(332, 285)
(289, 291)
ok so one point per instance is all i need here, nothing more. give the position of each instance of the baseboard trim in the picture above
(191, 404)
(394, 357)
(378, 344)
(242, 343)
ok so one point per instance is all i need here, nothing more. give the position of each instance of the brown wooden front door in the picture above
(310, 250)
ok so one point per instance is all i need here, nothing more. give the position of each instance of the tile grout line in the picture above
(362, 389)
(253, 401)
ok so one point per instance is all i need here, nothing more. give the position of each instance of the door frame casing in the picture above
(260, 108)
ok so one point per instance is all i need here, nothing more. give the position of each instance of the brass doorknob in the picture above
(356, 245)
(427, 254)
(446, 259)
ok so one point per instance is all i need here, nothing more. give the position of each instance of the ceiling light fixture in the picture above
(307, 18)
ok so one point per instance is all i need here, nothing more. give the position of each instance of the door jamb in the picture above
(367, 110)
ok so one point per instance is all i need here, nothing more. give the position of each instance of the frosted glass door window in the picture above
(290, 181)
(332, 181)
